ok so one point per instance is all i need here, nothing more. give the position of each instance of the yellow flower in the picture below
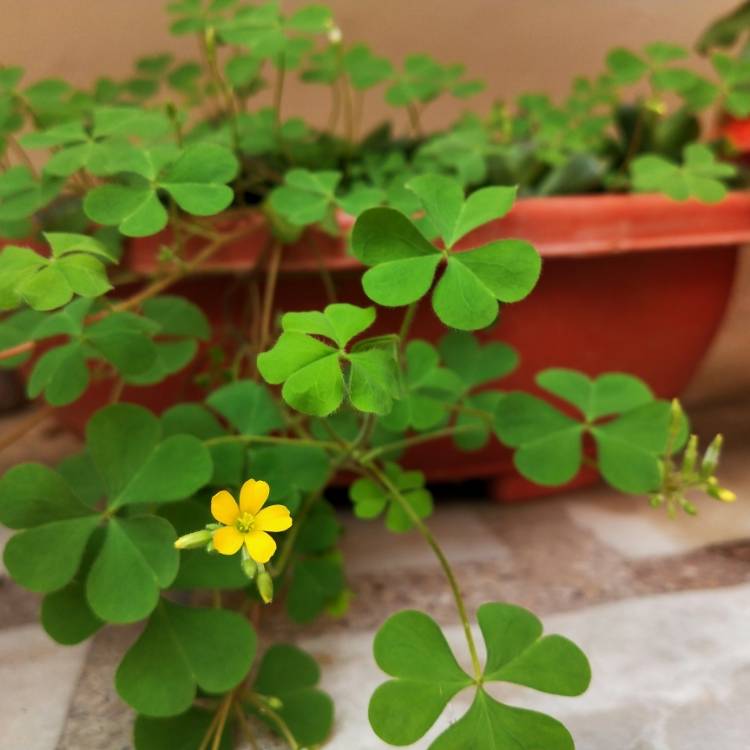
(248, 523)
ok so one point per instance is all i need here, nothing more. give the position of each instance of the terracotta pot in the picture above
(634, 283)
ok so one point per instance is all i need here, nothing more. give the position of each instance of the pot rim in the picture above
(575, 226)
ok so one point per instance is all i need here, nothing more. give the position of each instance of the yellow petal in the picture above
(260, 546)
(224, 508)
(227, 540)
(273, 518)
(252, 496)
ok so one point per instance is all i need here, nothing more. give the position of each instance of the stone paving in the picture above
(661, 607)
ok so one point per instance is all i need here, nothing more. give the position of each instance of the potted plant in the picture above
(290, 394)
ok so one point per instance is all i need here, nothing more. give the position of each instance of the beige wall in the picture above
(513, 44)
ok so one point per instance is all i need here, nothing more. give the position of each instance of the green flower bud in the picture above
(690, 458)
(194, 540)
(265, 587)
(249, 567)
(711, 457)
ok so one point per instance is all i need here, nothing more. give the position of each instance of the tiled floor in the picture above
(661, 607)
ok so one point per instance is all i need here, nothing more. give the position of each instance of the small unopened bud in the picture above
(194, 540)
(265, 587)
(690, 458)
(711, 456)
(656, 501)
(274, 702)
(335, 35)
(249, 567)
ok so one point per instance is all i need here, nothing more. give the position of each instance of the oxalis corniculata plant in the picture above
(173, 521)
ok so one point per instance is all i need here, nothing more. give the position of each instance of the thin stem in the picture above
(406, 323)
(281, 725)
(269, 294)
(245, 728)
(419, 439)
(223, 714)
(333, 117)
(383, 479)
(348, 112)
(272, 440)
(414, 120)
(278, 90)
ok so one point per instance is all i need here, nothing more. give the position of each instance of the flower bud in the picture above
(249, 567)
(711, 457)
(690, 457)
(334, 35)
(194, 540)
(265, 587)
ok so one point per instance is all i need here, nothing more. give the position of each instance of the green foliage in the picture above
(159, 154)
(316, 375)
(134, 558)
(74, 267)
(291, 675)
(412, 650)
(173, 657)
(404, 263)
(701, 176)
(194, 179)
(548, 442)
(371, 499)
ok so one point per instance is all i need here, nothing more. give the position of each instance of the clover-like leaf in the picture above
(67, 616)
(292, 675)
(700, 176)
(138, 555)
(182, 732)
(195, 178)
(313, 371)
(316, 583)
(161, 673)
(548, 443)
(370, 499)
(428, 391)
(247, 406)
(411, 648)
(466, 296)
(136, 465)
(454, 217)
(305, 197)
(44, 283)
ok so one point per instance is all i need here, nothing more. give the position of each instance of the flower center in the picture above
(245, 523)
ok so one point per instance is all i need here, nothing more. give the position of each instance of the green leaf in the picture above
(628, 447)
(490, 724)
(61, 373)
(311, 370)
(467, 295)
(476, 364)
(443, 200)
(16, 329)
(197, 569)
(411, 648)
(549, 443)
(339, 322)
(137, 559)
(370, 499)
(291, 675)
(67, 617)
(177, 316)
(33, 494)
(46, 557)
(517, 652)
(316, 582)
(625, 66)
(183, 732)
(136, 211)
(124, 340)
(305, 197)
(365, 69)
(247, 406)
(160, 674)
(124, 443)
(608, 394)
(701, 175)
